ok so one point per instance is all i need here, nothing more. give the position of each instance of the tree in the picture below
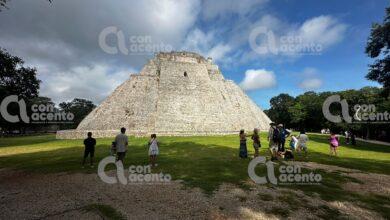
(378, 46)
(279, 111)
(15, 79)
(307, 111)
(79, 108)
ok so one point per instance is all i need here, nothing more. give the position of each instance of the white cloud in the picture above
(206, 44)
(258, 79)
(324, 30)
(288, 40)
(310, 79)
(309, 84)
(61, 39)
(93, 83)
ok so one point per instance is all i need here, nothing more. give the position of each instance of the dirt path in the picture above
(63, 196)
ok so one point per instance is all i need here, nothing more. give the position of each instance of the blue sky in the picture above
(341, 66)
(61, 41)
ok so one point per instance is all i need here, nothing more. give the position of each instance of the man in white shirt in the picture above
(121, 143)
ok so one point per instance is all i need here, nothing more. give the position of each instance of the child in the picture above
(334, 143)
(293, 142)
(153, 150)
(113, 149)
(256, 141)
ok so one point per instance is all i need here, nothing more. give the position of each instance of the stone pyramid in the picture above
(176, 93)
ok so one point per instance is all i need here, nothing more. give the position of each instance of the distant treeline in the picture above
(304, 112)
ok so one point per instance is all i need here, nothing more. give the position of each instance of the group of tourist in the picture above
(119, 147)
(277, 135)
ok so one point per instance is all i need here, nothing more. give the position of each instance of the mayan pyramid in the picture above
(176, 93)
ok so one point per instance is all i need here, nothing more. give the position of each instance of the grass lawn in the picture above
(205, 162)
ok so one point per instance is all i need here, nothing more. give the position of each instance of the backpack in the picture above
(276, 135)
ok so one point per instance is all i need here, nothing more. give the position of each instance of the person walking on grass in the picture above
(333, 143)
(153, 150)
(256, 141)
(283, 134)
(302, 142)
(121, 144)
(89, 144)
(243, 149)
(273, 139)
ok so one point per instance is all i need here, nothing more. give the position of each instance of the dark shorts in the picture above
(120, 155)
(89, 151)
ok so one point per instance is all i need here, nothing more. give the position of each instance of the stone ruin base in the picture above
(81, 134)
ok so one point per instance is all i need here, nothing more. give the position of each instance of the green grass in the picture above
(204, 162)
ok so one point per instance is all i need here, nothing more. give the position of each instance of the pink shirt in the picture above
(334, 140)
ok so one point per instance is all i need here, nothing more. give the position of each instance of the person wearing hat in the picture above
(273, 138)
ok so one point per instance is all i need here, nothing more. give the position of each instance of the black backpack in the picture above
(276, 135)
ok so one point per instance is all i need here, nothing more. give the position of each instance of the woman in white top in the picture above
(153, 149)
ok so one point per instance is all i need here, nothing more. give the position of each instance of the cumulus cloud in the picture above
(61, 39)
(309, 84)
(206, 44)
(258, 79)
(325, 30)
(310, 79)
(93, 83)
(270, 36)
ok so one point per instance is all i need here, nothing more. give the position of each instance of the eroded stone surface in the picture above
(176, 93)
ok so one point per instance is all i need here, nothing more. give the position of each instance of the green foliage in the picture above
(305, 111)
(279, 111)
(378, 46)
(79, 107)
(15, 79)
